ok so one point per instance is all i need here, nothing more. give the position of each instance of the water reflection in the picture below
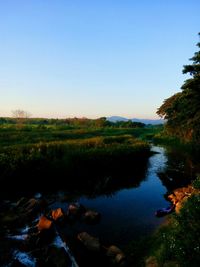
(106, 181)
(128, 212)
(103, 176)
(180, 169)
(129, 175)
(126, 193)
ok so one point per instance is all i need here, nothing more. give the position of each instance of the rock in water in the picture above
(116, 255)
(91, 217)
(57, 214)
(31, 206)
(75, 209)
(44, 224)
(90, 242)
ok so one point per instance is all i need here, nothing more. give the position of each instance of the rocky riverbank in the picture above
(181, 195)
(33, 234)
(177, 242)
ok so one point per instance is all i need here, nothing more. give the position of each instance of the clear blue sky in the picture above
(66, 58)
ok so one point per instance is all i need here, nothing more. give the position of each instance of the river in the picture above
(129, 213)
(126, 199)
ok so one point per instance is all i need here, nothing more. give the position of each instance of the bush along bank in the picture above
(177, 242)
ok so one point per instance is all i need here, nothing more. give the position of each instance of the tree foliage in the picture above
(182, 110)
(20, 114)
(23, 117)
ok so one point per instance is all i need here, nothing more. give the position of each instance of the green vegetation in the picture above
(176, 242)
(89, 147)
(22, 119)
(12, 135)
(80, 153)
(179, 240)
(40, 152)
(182, 110)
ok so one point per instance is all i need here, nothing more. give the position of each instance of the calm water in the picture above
(126, 196)
(129, 213)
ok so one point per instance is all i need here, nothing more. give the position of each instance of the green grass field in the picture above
(34, 153)
(31, 134)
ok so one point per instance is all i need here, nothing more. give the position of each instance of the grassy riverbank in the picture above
(176, 242)
(100, 159)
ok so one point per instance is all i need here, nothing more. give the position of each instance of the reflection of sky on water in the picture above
(157, 162)
(129, 213)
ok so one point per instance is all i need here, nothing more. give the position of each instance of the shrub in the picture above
(179, 241)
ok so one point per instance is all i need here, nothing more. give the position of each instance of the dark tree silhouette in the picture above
(182, 110)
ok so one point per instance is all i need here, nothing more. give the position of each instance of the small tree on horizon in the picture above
(20, 115)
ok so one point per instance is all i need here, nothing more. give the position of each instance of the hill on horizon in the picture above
(145, 121)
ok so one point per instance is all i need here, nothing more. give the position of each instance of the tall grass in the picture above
(31, 134)
(42, 163)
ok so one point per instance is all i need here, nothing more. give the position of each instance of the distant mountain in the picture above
(148, 121)
(145, 121)
(116, 118)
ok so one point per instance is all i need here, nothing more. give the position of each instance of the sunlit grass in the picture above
(30, 134)
(70, 155)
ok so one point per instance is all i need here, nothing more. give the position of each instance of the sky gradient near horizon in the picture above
(88, 58)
